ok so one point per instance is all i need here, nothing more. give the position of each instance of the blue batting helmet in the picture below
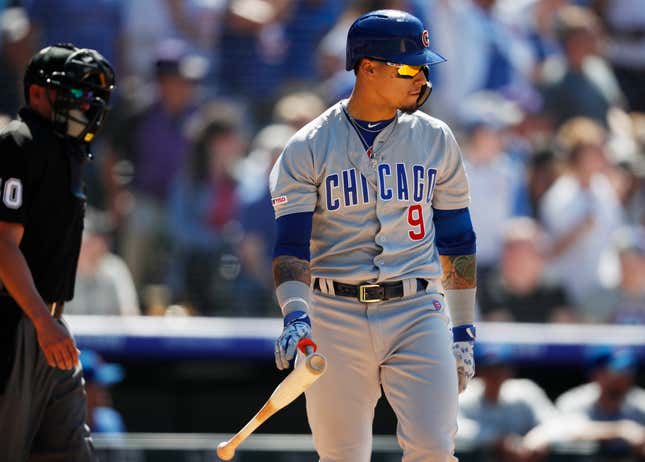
(389, 35)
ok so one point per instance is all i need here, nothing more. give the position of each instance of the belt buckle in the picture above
(362, 295)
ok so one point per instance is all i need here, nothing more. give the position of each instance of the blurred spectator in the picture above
(153, 142)
(584, 84)
(469, 31)
(103, 281)
(96, 24)
(625, 25)
(17, 45)
(257, 219)
(628, 179)
(626, 303)
(497, 182)
(150, 22)
(629, 175)
(534, 130)
(99, 377)
(496, 409)
(535, 20)
(580, 211)
(569, 429)
(305, 27)
(253, 48)
(518, 291)
(542, 171)
(298, 108)
(611, 396)
(331, 52)
(204, 212)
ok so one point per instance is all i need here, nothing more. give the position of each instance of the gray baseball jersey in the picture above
(373, 216)
(372, 222)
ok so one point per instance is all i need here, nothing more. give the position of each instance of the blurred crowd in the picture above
(546, 98)
(511, 419)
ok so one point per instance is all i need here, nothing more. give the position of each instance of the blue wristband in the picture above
(296, 316)
(465, 333)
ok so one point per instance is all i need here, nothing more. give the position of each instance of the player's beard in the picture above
(409, 109)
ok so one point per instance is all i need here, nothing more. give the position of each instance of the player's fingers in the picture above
(291, 349)
(284, 362)
(67, 358)
(70, 354)
(288, 351)
(73, 354)
(276, 354)
(59, 362)
(281, 360)
(49, 357)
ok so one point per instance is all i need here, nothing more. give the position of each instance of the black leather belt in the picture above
(372, 293)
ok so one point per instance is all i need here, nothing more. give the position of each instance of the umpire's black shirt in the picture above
(41, 188)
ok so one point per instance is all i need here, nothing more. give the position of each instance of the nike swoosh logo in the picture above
(373, 125)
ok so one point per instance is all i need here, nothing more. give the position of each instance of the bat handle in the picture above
(307, 346)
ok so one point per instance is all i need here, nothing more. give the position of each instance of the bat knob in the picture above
(316, 363)
(225, 451)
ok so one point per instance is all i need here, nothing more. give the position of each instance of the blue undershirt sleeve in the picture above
(454, 234)
(293, 235)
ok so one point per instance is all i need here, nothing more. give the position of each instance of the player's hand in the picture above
(463, 352)
(57, 344)
(296, 326)
(462, 348)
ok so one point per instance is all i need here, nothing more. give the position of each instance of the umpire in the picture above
(42, 204)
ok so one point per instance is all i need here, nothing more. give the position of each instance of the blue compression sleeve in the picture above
(454, 234)
(293, 235)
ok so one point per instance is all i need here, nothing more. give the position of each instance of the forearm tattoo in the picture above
(459, 271)
(288, 268)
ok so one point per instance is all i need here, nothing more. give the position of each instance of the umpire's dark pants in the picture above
(42, 412)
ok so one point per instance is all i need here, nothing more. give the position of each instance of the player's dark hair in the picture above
(357, 67)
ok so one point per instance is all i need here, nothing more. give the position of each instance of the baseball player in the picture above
(42, 203)
(371, 202)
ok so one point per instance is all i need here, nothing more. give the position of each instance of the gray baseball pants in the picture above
(402, 345)
(43, 409)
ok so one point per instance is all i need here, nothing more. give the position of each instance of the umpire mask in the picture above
(83, 81)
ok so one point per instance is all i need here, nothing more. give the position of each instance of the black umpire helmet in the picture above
(83, 81)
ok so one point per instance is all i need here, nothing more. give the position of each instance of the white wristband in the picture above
(293, 296)
(461, 303)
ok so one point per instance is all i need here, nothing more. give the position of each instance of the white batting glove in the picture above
(462, 348)
(296, 326)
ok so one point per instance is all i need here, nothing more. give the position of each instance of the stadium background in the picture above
(180, 225)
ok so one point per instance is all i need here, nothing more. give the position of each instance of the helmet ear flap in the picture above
(425, 93)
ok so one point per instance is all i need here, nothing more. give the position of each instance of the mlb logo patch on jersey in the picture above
(281, 200)
(436, 304)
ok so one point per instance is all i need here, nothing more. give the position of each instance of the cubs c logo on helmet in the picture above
(424, 39)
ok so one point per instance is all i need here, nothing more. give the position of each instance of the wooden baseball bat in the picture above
(301, 378)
